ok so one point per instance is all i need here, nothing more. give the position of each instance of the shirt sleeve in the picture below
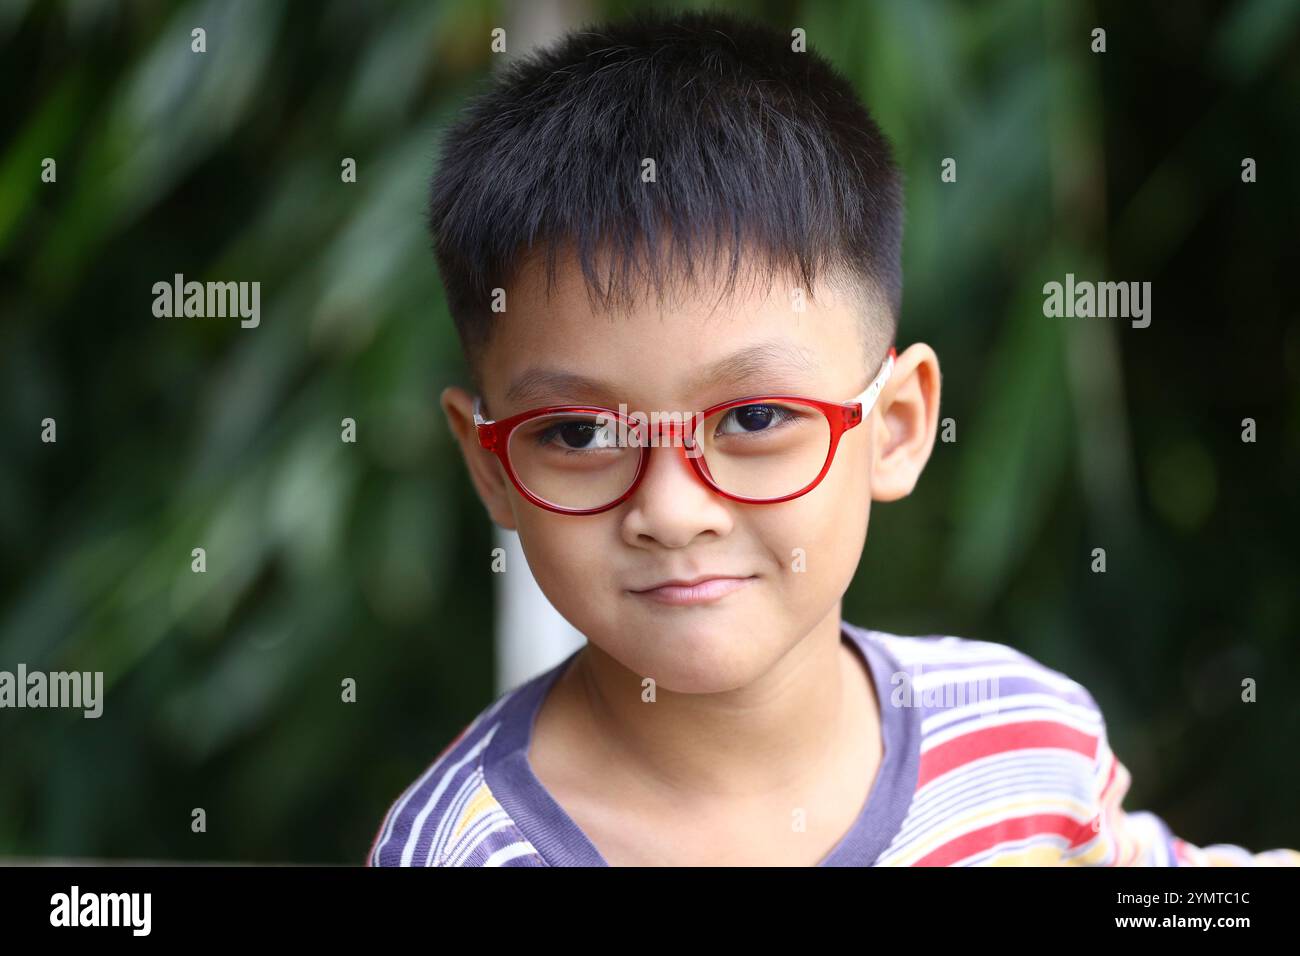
(1141, 838)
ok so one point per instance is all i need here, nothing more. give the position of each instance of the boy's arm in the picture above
(1140, 838)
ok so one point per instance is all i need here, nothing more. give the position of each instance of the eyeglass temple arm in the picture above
(867, 399)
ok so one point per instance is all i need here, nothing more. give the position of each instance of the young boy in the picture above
(671, 248)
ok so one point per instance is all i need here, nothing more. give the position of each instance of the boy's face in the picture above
(795, 558)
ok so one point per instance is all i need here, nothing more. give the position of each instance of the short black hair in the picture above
(756, 146)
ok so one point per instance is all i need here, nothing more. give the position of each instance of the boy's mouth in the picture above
(702, 590)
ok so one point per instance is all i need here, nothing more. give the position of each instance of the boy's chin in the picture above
(698, 654)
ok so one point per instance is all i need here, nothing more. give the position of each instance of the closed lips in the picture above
(690, 582)
(695, 591)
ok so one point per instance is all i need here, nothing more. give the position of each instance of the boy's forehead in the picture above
(772, 362)
(560, 347)
(671, 356)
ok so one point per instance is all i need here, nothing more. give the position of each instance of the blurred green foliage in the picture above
(328, 561)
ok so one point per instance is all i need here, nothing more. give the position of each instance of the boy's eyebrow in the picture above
(763, 359)
(537, 385)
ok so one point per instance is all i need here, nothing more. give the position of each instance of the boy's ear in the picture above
(484, 469)
(906, 425)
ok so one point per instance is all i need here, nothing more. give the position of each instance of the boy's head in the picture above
(670, 214)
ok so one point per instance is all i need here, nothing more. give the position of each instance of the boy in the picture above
(686, 407)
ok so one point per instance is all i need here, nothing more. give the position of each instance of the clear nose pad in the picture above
(691, 449)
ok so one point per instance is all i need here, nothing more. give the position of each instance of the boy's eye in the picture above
(753, 418)
(578, 434)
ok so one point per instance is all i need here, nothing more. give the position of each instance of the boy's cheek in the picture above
(568, 553)
(814, 539)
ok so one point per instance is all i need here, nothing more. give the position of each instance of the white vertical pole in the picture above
(531, 636)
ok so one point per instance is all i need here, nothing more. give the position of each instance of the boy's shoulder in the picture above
(977, 699)
(450, 816)
(1010, 753)
(935, 669)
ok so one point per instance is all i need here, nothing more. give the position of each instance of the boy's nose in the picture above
(672, 504)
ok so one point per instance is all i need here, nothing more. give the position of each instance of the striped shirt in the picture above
(989, 759)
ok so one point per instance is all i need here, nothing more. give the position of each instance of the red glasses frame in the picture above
(495, 437)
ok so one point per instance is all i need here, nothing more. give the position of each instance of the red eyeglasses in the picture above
(762, 449)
